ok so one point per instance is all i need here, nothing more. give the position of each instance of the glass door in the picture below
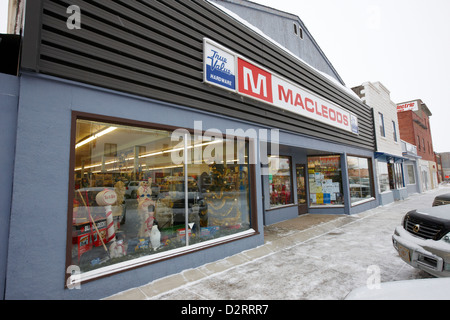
(301, 188)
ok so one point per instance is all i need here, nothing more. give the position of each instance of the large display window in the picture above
(360, 179)
(280, 181)
(132, 201)
(325, 181)
(390, 176)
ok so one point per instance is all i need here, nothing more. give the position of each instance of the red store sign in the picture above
(263, 85)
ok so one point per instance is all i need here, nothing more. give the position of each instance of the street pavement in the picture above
(312, 257)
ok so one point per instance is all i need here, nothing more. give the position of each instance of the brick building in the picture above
(414, 127)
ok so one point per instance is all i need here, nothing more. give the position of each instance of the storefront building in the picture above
(445, 162)
(414, 125)
(440, 172)
(164, 140)
(411, 165)
(389, 156)
(311, 179)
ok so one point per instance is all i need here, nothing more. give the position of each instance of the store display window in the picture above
(395, 175)
(390, 175)
(411, 174)
(360, 179)
(130, 200)
(280, 181)
(325, 180)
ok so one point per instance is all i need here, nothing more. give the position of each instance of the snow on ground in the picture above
(325, 267)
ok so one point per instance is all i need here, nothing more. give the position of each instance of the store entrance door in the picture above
(301, 188)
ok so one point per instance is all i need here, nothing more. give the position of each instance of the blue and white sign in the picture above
(354, 124)
(219, 66)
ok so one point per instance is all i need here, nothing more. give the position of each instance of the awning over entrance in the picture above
(389, 157)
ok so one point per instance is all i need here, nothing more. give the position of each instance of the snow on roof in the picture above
(261, 33)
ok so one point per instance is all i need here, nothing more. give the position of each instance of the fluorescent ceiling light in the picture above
(95, 136)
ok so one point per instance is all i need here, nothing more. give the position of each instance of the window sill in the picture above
(283, 206)
(142, 261)
(354, 204)
(318, 206)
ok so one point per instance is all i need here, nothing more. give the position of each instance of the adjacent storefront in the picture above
(318, 182)
(412, 169)
(391, 178)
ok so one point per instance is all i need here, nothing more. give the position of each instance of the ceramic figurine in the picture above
(155, 237)
(146, 208)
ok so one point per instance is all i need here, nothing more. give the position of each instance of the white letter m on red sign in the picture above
(256, 87)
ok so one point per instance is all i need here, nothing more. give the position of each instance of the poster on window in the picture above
(325, 180)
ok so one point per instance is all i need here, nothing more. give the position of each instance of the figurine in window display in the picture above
(155, 237)
(107, 198)
(85, 183)
(119, 209)
(146, 208)
(119, 188)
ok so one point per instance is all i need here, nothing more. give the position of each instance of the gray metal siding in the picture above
(155, 49)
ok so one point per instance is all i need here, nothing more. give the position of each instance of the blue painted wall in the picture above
(9, 91)
(37, 243)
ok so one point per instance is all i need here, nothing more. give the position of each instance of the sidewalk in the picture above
(311, 251)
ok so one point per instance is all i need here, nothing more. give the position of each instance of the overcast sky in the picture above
(404, 44)
(3, 15)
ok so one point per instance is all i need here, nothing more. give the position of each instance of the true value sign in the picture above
(228, 70)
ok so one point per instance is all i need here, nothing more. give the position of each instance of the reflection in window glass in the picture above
(396, 175)
(359, 176)
(383, 176)
(325, 180)
(280, 178)
(411, 174)
(381, 119)
(129, 196)
(224, 186)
